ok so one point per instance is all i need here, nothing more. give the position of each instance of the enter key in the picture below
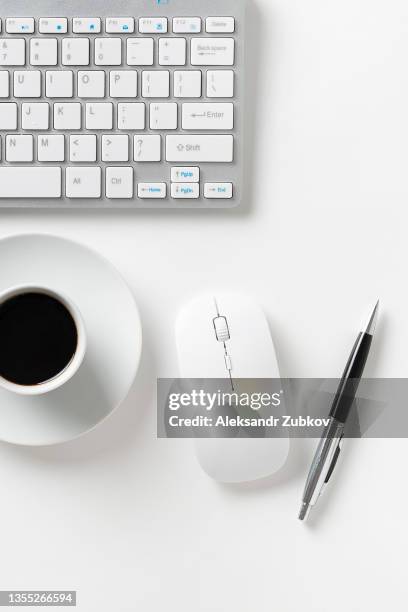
(208, 116)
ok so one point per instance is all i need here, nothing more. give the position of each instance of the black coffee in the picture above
(38, 338)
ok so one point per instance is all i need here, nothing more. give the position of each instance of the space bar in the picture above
(30, 182)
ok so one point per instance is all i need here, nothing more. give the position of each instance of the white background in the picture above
(130, 521)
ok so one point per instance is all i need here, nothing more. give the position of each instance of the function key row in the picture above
(118, 25)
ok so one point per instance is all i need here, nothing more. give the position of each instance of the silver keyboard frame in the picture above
(144, 171)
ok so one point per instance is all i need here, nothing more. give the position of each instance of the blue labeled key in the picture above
(116, 25)
(53, 25)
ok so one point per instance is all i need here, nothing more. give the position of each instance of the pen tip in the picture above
(304, 511)
(372, 321)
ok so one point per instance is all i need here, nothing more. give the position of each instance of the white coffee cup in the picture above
(72, 367)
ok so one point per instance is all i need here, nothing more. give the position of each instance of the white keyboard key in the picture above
(43, 52)
(220, 25)
(155, 84)
(120, 25)
(30, 182)
(19, 148)
(53, 25)
(147, 148)
(185, 190)
(4, 84)
(27, 84)
(153, 25)
(172, 51)
(108, 51)
(91, 84)
(185, 174)
(208, 116)
(152, 190)
(218, 190)
(212, 51)
(119, 182)
(50, 147)
(75, 52)
(83, 182)
(187, 84)
(99, 116)
(12, 52)
(86, 25)
(220, 83)
(67, 116)
(35, 116)
(8, 116)
(115, 148)
(186, 25)
(163, 116)
(140, 52)
(131, 116)
(123, 83)
(82, 148)
(200, 148)
(59, 83)
(19, 25)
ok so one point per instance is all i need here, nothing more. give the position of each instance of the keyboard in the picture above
(128, 104)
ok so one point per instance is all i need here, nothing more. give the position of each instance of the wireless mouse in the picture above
(227, 336)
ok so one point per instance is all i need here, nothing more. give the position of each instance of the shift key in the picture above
(200, 148)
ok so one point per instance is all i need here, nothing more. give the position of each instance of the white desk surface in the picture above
(130, 521)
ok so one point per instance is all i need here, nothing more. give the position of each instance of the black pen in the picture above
(329, 447)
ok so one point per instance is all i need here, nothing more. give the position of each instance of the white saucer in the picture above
(114, 338)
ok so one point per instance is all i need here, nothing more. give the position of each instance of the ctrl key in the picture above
(218, 190)
(119, 182)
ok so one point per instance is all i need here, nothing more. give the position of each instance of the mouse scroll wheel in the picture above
(221, 329)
